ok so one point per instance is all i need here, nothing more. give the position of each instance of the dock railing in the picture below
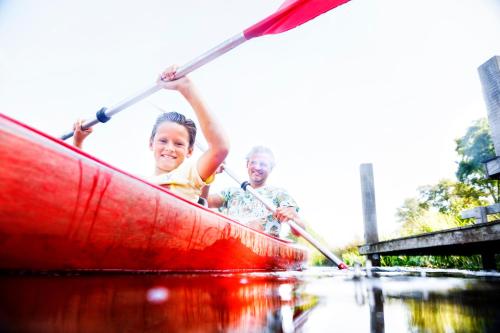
(480, 214)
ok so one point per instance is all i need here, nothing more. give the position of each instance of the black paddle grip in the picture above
(101, 115)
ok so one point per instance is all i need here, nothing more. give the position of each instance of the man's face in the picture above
(259, 167)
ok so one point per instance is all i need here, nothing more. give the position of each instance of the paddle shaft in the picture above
(298, 229)
(291, 14)
(105, 114)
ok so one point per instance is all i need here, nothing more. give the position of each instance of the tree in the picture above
(447, 198)
(474, 148)
(451, 197)
(438, 206)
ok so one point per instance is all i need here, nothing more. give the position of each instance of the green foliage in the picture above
(449, 197)
(411, 210)
(474, 148)
(460, 262)
(428, 221)
(439, 315)
(352, 257)
(317, 258)
(349, 255)
(438, 206)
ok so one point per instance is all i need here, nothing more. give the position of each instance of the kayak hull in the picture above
(62, 209)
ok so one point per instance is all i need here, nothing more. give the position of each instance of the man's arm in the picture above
(215, 201)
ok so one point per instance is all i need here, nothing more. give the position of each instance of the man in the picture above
(245, 208)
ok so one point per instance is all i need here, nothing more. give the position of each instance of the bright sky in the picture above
(387, 82)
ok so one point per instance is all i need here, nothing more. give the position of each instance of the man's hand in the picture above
(284, 214)
(256, 224)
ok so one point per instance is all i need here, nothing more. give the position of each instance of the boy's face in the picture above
(170, 146)
(259, 167)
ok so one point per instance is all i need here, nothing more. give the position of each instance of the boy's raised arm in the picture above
(218, 143)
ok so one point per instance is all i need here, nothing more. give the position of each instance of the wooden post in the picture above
(369, 209)
(489, 74)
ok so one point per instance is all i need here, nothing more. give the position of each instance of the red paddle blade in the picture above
(291, 14)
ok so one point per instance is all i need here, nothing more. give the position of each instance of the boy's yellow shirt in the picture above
(185, 181)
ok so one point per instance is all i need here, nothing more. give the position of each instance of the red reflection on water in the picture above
(147, 303)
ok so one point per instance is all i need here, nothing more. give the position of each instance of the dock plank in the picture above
(469, 240)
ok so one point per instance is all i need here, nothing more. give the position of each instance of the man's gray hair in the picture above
(262, 150)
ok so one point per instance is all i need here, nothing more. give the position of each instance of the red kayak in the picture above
(63, 210)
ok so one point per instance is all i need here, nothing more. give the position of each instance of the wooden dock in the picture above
(482, 239)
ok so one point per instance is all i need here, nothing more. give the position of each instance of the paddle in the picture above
(291, 14)
(298, 229)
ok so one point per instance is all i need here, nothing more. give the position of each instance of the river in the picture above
(313, 300)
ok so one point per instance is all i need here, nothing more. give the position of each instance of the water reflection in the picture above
(311, 301)
(420, 304)
(452, 305)
(148, 303)
(373, 295)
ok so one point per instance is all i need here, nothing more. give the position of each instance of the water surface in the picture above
(315, 300)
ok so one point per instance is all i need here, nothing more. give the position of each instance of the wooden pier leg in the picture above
(369, 209)
(488, 260)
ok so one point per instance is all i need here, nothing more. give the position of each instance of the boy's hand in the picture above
(79, 135)
(220, 169)
(167, 80)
